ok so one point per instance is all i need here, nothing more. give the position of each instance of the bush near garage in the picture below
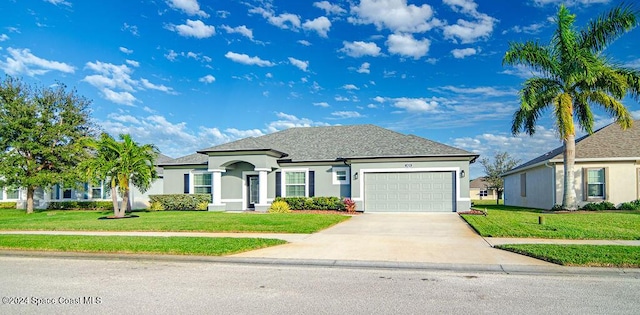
(80, 205)
(314, 203)
(180, 202)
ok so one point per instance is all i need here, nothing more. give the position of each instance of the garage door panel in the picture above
(409, 192)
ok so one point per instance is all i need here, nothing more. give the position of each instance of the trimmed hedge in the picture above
(80, 205)
(314, 203)
(598, 206)
(8, 205)
(631, 205)
(180, 202)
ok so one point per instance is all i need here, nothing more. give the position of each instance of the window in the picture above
(66, 194)
(523, 184)
(101, 190)
(340, 175)
(483, 193)
(295, 184)
(202, 183)
(595, 183)
(13, 194)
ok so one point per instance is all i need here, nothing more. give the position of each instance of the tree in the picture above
(43, 135)
(501, 164)
(122, 163)
(574, 75)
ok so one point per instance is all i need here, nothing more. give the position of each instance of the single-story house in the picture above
(479, 190)
(84, 192)
(381, 170)
(607, 168)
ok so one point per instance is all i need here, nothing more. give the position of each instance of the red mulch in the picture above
(473, 212)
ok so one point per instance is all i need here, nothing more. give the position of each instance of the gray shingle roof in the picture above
(330, 143)
(479, 182)
(191, 159)
(607, 142)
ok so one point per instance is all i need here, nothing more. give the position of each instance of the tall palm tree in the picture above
(574, 75)
(122, 163)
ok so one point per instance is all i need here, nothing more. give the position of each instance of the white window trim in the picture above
(603, 183)
(5, 195)
(192, 181)
(283, 184)
(334, 175)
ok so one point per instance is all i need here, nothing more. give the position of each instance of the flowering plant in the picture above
(349, 205)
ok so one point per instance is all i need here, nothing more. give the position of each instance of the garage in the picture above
(409, 192)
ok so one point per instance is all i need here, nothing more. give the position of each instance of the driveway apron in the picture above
(397, 237)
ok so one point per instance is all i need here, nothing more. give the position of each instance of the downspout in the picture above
(553, 180)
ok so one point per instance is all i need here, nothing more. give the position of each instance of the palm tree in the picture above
(574, 75)
(122, 163)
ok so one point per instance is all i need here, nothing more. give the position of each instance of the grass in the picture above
(168, 221)
(581, 255)
(205, 246)
(505, 221)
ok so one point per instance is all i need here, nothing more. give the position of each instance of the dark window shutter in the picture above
(312, 183)
(278, 184)
(186, 183)
(585, 184)
(605, 191)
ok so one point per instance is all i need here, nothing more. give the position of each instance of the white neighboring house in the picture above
(85, 192)
(607, 168)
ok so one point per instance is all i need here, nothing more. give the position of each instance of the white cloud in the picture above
(350, 87)
(300, 64)
(23, 62)
(570, 3)
(132, 63)
(123, 97)
(3, 37)
(341, 98)
(329, 8)
(242, 30)
(633, 64)
(358, 49)
(372, 106)
(406, 45)
(346, 114)
(162, 88)
(245, 59)
(482, 90)
(283, 21)
(133, 29)
(322, 25)
(466, 31)
(394, 15)
(379, 99)
(462, 53)
(57, 2)
(287, 121)
(269, 75)
(521, 71)
(190, 7)
(321, 104)
(244, 133)
(171, 55)
(207, 79)
(126, 50)
(534, 28)
(415, 105)
(364, 68)
(193, 28)
(304, 42)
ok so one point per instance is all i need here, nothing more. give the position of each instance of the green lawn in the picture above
(170, 221)
(581, 255)
(505, 221)
(483, 202)
(205, 246)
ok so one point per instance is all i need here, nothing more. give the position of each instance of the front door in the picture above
(253, 191)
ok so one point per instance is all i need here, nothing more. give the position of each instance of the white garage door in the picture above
(409, 192)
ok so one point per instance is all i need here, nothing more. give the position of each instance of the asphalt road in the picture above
(108, 286)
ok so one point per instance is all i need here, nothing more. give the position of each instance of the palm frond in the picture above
(608, 27)
(532, 55)
(613, 106)
(583, 112)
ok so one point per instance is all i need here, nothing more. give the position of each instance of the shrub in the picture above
(180, 201)
(557, 208)
(156, 206)
(349, 205)
(279, 206)
(315, 203)
(631, 205)
(598, 206)
(80, 205)
(8, 205)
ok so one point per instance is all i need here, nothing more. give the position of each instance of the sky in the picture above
(189, 74)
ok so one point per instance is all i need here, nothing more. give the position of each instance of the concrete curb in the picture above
(438, 267)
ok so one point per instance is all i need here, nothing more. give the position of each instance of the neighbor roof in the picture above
(334, 142)
(607, 142)
(479, 182)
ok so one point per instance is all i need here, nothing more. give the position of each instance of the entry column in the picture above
(262, 196)
(217, 204)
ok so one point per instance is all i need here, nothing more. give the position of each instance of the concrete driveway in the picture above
(397, 237)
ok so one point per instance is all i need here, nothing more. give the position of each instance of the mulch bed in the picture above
(473, 212)
(324, 212)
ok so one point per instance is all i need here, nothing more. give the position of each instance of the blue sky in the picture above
(187, 74)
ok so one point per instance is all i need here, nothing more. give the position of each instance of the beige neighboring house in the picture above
(478, 190)
(607, 168)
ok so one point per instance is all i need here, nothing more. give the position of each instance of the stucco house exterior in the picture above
(84, 192)
(380, 169)
(607, 168)
(478, 190)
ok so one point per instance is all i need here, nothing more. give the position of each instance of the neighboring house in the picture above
(607, 168)
(478, 190)
(84, 192)
(380, 169)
